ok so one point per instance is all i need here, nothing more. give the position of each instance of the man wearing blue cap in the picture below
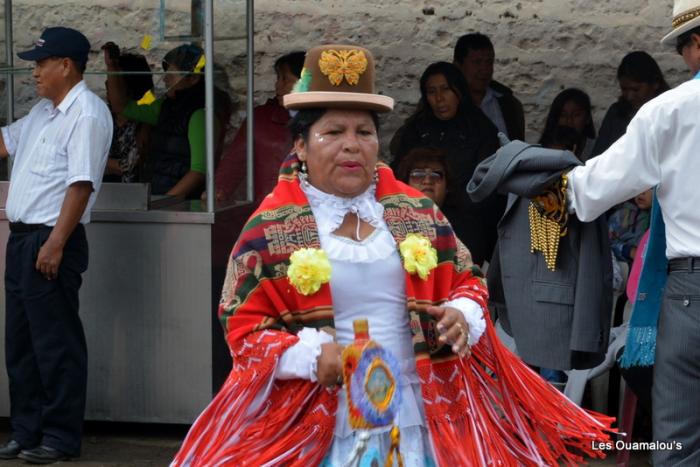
(59, 151)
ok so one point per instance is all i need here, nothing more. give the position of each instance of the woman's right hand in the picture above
(329, 365)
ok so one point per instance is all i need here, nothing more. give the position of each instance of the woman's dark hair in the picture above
(455, 80)
(571, 94)
(294, 61)
(136, 85)
(300, 124)
(423, 155)
(641, 67)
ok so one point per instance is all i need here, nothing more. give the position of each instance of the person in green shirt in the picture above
(176, 163)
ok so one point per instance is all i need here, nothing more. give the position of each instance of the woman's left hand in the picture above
(452, 327)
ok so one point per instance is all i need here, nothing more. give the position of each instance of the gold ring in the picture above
(461, 329)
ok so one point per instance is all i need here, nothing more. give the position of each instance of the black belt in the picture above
(21, 227)
(684, 264)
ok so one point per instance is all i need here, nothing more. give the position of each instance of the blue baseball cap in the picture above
(59, 42)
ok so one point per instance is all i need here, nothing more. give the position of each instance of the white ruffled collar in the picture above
(330, 210)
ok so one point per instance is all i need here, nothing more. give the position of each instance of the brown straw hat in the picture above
(686, 16)
(339, 77)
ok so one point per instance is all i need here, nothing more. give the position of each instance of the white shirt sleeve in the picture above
(473, 315)
(299, 361)
(11, 134)
(87, 150)
(629, 167)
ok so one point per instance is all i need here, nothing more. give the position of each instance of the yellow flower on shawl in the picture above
(308, 270)
(419, 256)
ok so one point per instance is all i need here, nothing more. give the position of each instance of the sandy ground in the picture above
(145, 445)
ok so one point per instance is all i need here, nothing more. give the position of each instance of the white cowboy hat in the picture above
(686, 16)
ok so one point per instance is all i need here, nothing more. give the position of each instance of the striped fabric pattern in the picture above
(489, 407)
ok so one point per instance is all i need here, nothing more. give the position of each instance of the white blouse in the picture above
(368, 281)
(352, 265)
(660, 148)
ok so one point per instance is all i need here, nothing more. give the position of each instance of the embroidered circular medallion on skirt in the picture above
(374, 386)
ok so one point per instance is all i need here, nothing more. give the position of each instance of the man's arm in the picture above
(9, 137)
(51, 252)
(3, 150)
(113, 167)
(627, 168)
(190, 183)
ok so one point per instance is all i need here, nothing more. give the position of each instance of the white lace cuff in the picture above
(473, 315)
(299, 361)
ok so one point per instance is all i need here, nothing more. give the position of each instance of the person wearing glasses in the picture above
(426, 170)
(447, 119)
(660, 148)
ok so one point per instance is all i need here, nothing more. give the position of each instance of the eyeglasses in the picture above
(418, 175)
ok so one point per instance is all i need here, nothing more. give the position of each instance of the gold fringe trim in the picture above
(548, 222)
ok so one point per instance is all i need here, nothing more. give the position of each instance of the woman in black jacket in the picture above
(640, 80)
(447, 119)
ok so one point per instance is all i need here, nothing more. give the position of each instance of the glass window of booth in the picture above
(148, 60)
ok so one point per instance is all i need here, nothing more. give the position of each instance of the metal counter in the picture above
(148, 304)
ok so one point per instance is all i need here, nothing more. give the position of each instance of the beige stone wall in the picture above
(542, 46)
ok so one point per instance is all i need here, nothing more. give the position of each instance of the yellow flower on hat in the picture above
(308, 270)
(419, 256)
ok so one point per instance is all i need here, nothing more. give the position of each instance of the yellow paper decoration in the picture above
(147, 98)
(146, 42)
(200, 64)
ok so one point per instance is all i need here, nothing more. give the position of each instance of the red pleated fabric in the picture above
(492, 409)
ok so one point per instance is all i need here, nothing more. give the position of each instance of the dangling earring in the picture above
(303, 174)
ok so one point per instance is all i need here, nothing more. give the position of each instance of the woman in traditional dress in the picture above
(340, 239)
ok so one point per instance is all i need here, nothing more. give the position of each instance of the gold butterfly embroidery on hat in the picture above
(339, 64)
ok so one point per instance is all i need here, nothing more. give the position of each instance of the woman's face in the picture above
(637, 93)
(443, 101)
(176, 82)
(341, 152)
(643, 200)
(573, 116)
(429, 177)
(285, 82)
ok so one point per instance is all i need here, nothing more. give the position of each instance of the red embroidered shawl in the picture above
(487, 408)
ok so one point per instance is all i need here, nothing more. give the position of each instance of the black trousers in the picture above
(676, 387)
(45, 349)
